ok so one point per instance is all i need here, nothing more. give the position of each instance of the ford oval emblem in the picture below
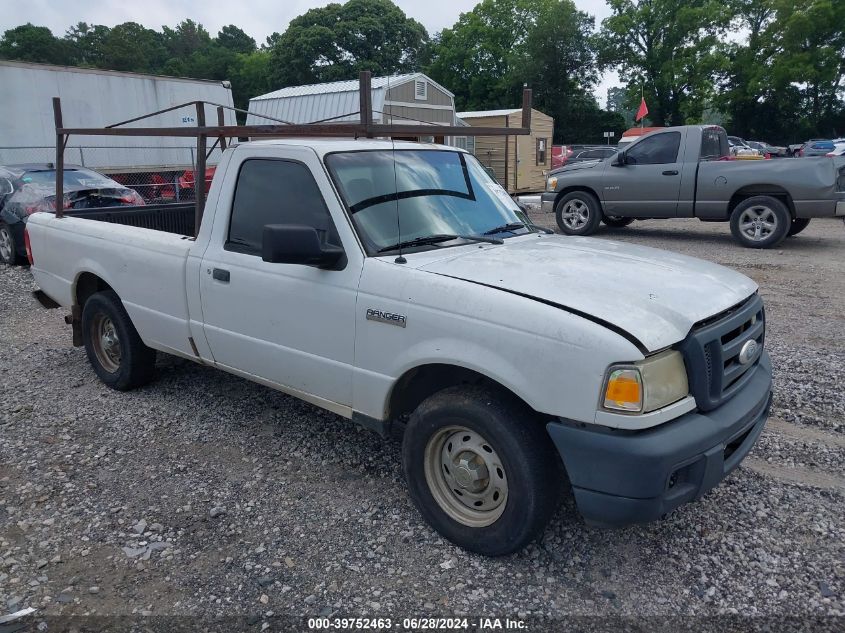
(748, 352)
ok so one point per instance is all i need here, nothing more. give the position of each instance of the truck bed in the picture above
(175, 218)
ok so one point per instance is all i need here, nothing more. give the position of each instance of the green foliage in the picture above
(785, 81)
(502, 45)
(670, 48)
(33, 44)
(339, 40)
(234, 39)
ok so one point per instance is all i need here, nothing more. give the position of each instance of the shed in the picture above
(410, 98)
(520, 163)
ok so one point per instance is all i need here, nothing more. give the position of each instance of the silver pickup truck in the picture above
(679, 172)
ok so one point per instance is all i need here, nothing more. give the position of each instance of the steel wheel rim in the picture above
(757, 223)
(465, 476)
(106, 343)
(5, 244)
(575, 214)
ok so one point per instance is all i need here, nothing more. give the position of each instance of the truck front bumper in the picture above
(620, 478)
(547, 201)
(840, 208)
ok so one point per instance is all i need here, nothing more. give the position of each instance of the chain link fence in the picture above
(160, 174)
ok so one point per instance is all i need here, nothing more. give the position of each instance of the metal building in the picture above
(409, 98)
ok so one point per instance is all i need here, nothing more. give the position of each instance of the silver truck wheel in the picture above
(466, 476)
(575, 214)
(578, 213)
(760, 222)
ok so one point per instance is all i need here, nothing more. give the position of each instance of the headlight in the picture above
(646, 385)
(551, 183)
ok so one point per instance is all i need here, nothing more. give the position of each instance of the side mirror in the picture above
(6, 187)
(620, 160)
(297, 244)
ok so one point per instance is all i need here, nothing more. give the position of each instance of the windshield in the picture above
(437, 192)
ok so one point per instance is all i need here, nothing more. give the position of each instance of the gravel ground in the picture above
(207, 496)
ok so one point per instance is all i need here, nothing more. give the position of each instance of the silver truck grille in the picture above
(717, 368)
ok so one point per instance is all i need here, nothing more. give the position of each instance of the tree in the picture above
(784, 83)
(501, 45)
(33, 44)
(337, 41)
(130, 46)
(670, 48)
(88, 44)
(234, 39)
(186, 39)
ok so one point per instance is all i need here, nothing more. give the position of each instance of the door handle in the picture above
(220, 275)
(670, 172)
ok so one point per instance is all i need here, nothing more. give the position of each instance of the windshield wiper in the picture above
(506, 228)
(440, 237)
(513, 226)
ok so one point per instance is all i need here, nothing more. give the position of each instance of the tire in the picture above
(480, 431)
(798, 225)
(8, 246)
(578, 213)
(115, 351)
(616, 222)
(760, 222)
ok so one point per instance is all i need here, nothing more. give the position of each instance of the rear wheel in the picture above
(578, 213)
(8, 247)
(114, 349)
(760, 222)
(616, 221)
(481, 469)
(798, 225)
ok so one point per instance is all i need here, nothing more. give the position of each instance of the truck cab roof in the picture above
(328, 145)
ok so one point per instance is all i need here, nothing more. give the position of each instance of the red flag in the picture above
(642, 111)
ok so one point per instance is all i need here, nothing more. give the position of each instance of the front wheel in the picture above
(798, 225)
(578, 213)
(114, 349)
(481, 469)
(616, 221)
(760, 222)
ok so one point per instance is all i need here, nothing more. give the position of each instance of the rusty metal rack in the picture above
(365, 128)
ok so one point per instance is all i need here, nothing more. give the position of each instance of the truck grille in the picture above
(712, 352)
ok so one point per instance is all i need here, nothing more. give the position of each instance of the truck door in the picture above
(648, 184)
(288, 324)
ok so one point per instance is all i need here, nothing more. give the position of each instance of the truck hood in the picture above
(652, 295)
(583, 164)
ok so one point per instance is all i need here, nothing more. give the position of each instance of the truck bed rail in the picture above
(171, 218)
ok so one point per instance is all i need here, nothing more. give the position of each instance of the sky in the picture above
(259, 18)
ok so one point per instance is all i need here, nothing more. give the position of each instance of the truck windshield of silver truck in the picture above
(420, 198)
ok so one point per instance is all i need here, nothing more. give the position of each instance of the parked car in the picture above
(838, 150)
(740, 149)
(27, 189)
(642, 372)
(770, 151)
(681, 172)
(816, 147)
(587, 153)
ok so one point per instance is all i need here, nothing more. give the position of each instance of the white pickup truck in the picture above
(399, 286)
